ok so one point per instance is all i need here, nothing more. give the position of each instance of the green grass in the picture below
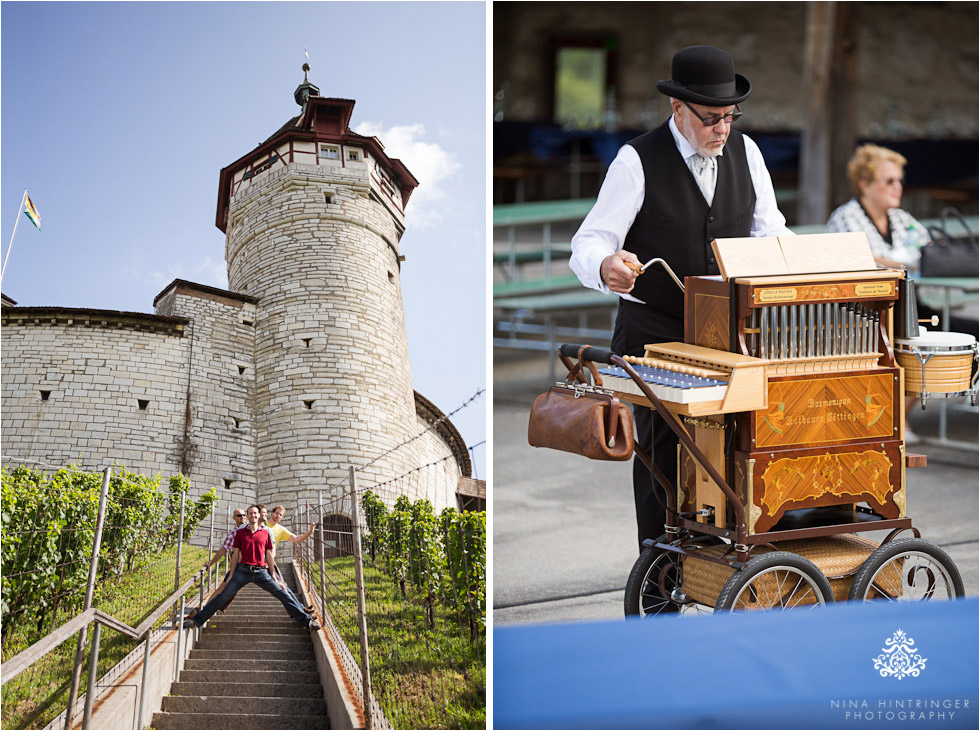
(422, 677)
(36, 696)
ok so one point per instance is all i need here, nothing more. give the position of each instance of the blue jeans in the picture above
(240, 578)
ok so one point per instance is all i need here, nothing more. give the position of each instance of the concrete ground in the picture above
(564, 532)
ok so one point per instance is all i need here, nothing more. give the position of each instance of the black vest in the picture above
(675, 222)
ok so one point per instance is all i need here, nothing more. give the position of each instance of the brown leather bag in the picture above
(577, 419)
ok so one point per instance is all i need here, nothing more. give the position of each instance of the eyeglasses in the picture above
(714, 119)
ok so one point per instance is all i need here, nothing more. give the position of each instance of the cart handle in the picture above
(596, 355)
(692, 448)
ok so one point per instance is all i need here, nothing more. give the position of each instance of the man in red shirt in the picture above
(250, 561)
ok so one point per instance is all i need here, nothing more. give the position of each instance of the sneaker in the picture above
(309, 608)
(313, 625)
(189, 624)
(911, 437)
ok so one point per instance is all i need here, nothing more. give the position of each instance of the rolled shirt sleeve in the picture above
(604, 230)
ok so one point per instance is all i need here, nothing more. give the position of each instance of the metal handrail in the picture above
(24, 659)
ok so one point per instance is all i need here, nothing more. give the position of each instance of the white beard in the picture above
(686, 129)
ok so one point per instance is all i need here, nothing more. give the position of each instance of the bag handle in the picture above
(577, 371)
(939, 235)
(950, 211)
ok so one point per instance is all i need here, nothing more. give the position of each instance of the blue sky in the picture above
(118, 117)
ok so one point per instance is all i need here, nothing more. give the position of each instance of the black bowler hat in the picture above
(705, 75)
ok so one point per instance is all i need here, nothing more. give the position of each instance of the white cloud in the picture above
(431, 165)
(207, 271)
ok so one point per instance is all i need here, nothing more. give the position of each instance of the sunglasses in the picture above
(238, 515)
(716, 118)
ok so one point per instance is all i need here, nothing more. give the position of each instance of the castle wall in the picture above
(96, 374)
(221, 336)
(333, 385)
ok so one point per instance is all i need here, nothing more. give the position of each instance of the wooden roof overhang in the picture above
(323, 120)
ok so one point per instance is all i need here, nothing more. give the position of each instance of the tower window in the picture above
(241, 370)
(354, 155)
(247, 322)
(307, 341)
(227, 484)
(328, 198)
(309, 404)
(329, 152)
(45, 395)
(143, 403)
(391, 277)
(238, 422)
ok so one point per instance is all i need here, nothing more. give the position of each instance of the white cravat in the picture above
(705, 170)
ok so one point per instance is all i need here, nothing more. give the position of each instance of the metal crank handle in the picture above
(665, 266)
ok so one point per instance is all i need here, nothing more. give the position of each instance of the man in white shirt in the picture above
(668, 194)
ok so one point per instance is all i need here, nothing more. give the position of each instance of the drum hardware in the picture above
(705, 513)
(938, 364)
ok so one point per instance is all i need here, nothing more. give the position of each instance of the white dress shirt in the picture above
(604, 230)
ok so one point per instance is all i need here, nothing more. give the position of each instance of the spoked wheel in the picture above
(909, 569)
(773, 581)
(654, 584)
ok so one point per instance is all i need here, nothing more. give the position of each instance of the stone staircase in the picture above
(254, 668)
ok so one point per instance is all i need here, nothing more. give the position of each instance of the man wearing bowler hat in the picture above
(668, 194)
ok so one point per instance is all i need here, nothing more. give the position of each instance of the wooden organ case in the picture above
(831, 432)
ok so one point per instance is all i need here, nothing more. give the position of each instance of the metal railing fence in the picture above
(401, 591)
(88, 549)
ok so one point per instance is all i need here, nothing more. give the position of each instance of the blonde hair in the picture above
(864, 163)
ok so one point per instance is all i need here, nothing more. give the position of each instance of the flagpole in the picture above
(23, 199)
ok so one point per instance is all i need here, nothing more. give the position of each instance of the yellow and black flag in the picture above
(31, 212)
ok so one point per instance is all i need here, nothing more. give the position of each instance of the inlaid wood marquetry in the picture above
(809, 411)
(711, 321)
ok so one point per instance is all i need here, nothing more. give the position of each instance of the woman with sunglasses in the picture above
(876, 175)
(896, 237)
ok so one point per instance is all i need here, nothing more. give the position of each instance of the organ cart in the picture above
(788, 400)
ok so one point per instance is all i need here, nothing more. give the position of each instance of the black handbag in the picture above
(946, 256)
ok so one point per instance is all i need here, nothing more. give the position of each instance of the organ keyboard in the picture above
(692, 380)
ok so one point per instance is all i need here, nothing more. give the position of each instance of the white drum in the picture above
(937, 364)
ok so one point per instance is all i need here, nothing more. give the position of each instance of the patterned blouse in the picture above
(907, 234)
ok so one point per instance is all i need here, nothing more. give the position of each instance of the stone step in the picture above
(236, 705)
(302, 652)
(229, 641)
(264, 675)
(249, 690)
(250, 664)
(288, 626)
(237, 721)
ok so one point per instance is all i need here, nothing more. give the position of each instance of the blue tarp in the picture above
(798, 669)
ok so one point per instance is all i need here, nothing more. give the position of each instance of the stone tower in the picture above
(313, 218)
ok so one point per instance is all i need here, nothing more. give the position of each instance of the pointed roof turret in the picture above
(305, 90)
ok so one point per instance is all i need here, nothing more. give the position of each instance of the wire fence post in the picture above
(93, 671)
(323, 566)
(146, 678)
(211, 534)
(180, 644)
(361, 604)
(180, 542)
(76, 676)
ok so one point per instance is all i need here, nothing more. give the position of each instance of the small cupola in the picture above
(305, 90)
